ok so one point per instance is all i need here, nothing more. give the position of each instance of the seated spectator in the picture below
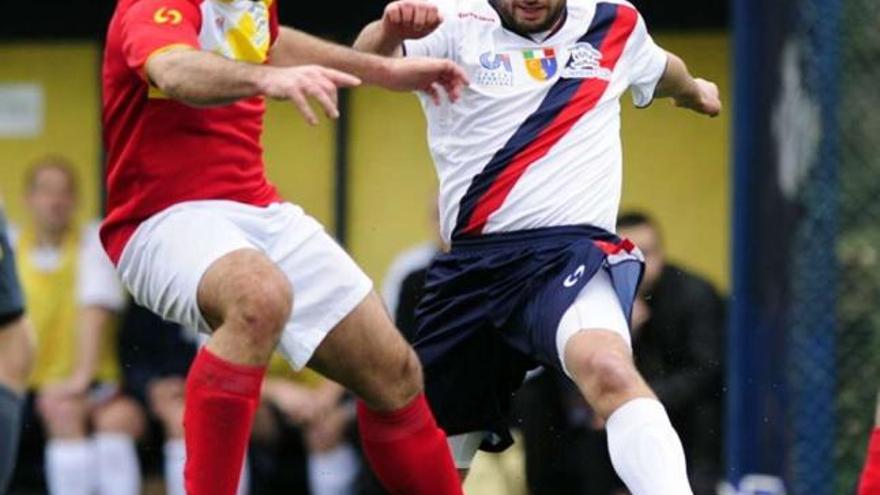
(678, 332)
(73, 299)
(307, 407)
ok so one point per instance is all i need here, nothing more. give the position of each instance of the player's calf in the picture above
(401, 440)
(247, 300)
(645, 450)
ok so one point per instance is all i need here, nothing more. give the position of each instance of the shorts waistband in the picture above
(499, 239)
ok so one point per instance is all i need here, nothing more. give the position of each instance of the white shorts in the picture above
(166, 258)
(597, 307)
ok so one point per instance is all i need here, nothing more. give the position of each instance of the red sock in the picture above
(221, 400)
(407, 451)
(870, 484)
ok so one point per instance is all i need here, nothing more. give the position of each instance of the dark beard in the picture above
(510, 23)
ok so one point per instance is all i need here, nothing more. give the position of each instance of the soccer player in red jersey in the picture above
(200, 236)
(870, 484)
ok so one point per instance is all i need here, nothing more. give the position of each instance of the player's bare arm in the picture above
(295, 47)
(402, 20)
(204, 79)
(695, 94)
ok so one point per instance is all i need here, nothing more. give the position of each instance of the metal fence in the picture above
(805, 336)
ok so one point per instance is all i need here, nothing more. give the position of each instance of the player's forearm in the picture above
(204, 79)
(374, 39)
(295, 48)
(677, 82)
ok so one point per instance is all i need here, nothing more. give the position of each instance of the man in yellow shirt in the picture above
(74, 297)
(15, 356)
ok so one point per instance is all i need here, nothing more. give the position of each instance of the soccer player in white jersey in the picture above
(530, 163)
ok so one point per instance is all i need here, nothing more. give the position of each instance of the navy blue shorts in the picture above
(11, 298)
(491, 310)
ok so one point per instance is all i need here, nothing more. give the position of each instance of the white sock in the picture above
(646, 451)
(119, 469)
(175, 461)
(333, 472)
(70, 467)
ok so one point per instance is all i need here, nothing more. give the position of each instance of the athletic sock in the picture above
(175, 459)
(10, 429)
(407, 451)
(70, 467)
(333, 472)
(646, 451)
(870, 484)
(119, 469)
(221, 400)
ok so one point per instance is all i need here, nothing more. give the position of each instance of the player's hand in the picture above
(703, 98)
(429, 75)
(300, 84)
(410, 19)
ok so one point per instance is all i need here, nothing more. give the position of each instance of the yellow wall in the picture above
(300, 159)
(676, 163)
(69, 76)
(675, 166)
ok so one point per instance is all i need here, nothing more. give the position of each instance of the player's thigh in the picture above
(169, 254)
(594, 343)
(367, 354)
(330, 288)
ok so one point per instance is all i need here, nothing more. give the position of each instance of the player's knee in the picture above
(263, 305)
(611, 372)
(122, 416)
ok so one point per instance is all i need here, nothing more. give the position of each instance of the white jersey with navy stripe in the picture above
(535, 140)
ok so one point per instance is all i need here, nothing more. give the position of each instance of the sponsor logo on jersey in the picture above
(168, 16)
(496, 70)
(585, 62)
(541, 63)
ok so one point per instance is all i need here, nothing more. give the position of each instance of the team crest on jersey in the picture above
(541, 63)
(495, 70)
(585, 62)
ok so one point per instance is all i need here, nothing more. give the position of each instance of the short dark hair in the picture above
(51, 162)
(635, 218)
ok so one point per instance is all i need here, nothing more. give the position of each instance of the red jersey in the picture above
(161, 152)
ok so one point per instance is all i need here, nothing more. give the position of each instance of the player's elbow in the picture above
(165, 71)
(171, 73)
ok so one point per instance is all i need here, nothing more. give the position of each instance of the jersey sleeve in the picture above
(439, 43)
(152, 26)
(97, 283)
(646, 64)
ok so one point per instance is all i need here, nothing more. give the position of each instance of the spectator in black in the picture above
(678, 334)
(679, 346)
